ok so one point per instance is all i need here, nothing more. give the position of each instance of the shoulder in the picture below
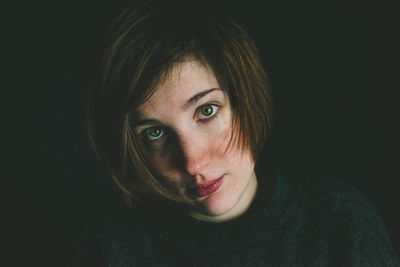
(343, 217)
(334, 200)
(331, 193)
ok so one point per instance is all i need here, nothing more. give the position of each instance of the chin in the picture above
(218, 204)
(228, 203)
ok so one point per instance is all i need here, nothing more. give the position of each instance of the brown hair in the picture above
(138, 53)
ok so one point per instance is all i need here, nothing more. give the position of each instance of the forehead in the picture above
(184, 81)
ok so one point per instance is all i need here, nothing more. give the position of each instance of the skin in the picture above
(187, 143)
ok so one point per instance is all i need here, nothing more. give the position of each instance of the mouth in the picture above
(207, 189)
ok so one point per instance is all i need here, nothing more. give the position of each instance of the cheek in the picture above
(225, 144)
(164, 168)
(219, 141)
(229, 150)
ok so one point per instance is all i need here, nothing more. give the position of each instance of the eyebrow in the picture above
(193, 100)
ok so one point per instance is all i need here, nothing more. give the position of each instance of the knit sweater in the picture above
(308, 221)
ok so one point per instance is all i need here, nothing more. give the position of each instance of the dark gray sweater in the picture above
(307, 222)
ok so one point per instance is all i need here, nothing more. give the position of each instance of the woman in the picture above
(178, 112)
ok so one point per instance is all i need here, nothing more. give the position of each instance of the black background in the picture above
(333, 71)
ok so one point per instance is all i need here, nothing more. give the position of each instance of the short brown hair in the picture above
(138, 53)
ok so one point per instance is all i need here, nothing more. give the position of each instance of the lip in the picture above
(208, 188)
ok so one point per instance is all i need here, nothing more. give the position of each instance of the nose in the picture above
(196, 154)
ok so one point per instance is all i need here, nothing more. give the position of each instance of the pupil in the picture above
(207, 110)
(155, 132)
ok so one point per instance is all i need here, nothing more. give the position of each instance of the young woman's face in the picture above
(186, 128)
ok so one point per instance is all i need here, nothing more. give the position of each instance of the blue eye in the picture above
(207, 111)
(154, 133)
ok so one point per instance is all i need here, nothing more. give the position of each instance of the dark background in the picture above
(332, 68)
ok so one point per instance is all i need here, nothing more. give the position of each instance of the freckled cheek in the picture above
(223, 132)
(222, 151)
(220, 140)
(229, 150)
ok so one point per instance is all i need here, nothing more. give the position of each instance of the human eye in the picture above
(153, 134)
(207, 111)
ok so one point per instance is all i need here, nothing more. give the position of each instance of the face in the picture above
(186, 128)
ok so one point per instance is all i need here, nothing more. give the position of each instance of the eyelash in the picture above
(145, 133)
